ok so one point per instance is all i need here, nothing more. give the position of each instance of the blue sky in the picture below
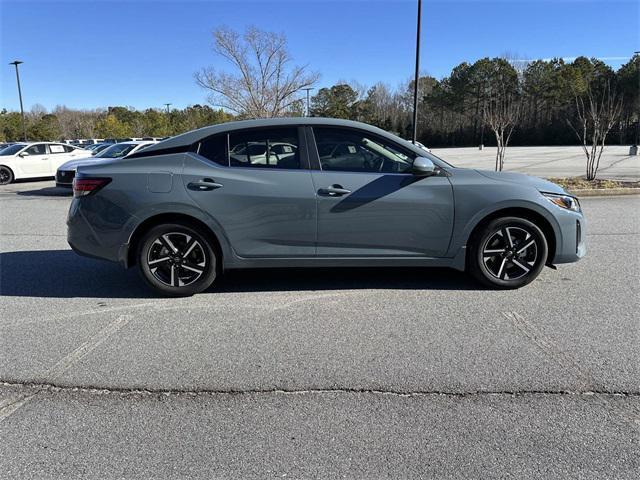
(88, 54)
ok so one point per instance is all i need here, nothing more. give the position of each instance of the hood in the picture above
(74, 164)
(527, 180)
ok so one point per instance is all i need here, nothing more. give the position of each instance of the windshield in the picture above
(116, 151)
(12, 149)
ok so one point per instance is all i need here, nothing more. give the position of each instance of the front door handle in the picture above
(334, 191)
(204, 185)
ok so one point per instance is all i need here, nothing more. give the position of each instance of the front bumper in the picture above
(571, 243)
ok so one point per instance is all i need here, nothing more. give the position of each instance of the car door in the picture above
(36, 160)
(264, 202)
(59, 154)
(369, 202)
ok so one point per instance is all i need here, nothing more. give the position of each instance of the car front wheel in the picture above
(508, 252)
(177, 260)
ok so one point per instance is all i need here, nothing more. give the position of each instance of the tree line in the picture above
(492, 101)
(64, 123)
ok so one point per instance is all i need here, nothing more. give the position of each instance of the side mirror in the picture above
(423, 167)
(23, 154)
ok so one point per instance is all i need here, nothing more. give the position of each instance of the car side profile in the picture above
(312, 192)
(35, 160)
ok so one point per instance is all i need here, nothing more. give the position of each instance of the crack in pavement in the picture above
(56, 388)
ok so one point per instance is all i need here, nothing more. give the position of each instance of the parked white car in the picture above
(33, 160)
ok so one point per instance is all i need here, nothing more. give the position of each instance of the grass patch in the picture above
(580, 183)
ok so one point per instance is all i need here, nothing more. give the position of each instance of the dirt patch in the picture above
(580, 183)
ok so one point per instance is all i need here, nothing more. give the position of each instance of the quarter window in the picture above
(348, 150)
(215, 149)
(265, 148)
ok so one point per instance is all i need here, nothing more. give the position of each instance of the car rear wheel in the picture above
(177, 260)
(6, 175)
(508, 253)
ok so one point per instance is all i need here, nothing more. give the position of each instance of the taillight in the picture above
(86, 186)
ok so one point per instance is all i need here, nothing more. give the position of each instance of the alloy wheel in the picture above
(510, 253)
(176, 259)
(5, 176)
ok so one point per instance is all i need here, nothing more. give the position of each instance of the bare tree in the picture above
(264, 84)
(501, 113)
(596, 114)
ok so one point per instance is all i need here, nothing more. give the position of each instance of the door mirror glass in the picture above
(423, 167)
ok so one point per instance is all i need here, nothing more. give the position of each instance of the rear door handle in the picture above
(204, 185)
(334, 191)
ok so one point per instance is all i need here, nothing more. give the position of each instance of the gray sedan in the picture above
(319, 192)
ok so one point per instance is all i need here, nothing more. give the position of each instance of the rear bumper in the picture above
(83, 238)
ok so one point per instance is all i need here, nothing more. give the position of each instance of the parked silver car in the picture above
(67, 171)
(310, 192)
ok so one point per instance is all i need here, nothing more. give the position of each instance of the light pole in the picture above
(634, 149)
(307, 89)
(415, 81)
(24, 126)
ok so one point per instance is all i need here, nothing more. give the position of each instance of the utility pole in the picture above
(307, 89)
(415, 81)
(24, 125)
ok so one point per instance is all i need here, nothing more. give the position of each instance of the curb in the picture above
(604, 192)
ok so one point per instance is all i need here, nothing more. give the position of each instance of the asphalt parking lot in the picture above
(359, 373)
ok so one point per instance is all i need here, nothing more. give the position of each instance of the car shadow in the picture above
(64, 274)
(47, 192)
(378, 188)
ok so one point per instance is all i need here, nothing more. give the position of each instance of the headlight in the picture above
(563, 201)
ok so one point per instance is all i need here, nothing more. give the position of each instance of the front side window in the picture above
(265, 148)
(349, 150)
(38, 149)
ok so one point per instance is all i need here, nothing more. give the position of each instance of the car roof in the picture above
(193, 136)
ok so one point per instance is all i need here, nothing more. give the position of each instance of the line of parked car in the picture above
(23, 160)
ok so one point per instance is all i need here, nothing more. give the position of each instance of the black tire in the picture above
(6, 175)
(177, 276)
(508, 253)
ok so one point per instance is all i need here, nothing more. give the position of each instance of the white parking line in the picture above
(12, 404)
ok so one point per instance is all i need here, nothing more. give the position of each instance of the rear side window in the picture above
(265, 148)
(214, 149)
(68, 148)
(54, 148)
